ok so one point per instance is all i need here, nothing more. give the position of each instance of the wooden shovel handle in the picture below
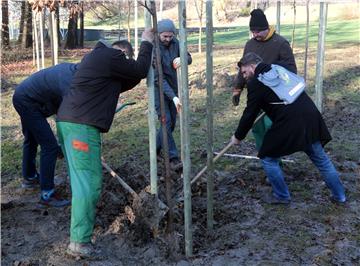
(121, 181)
(214, 160)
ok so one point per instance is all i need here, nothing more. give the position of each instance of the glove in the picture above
(236, 96)
(176, 63)
(177, 103)
(236, 100)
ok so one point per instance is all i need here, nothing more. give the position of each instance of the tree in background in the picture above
(306, 39)
(129, 2)
(72, 40)
(81, 15)
(5, 23)
(294, 25)
(200, 12)
(25, 31)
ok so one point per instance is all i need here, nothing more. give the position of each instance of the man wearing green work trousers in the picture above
(85, 112)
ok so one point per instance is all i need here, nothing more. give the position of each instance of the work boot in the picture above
(51, 199)
(176, 165)
(338, 202)
(272, 199)
(31, 182)
(82, 250)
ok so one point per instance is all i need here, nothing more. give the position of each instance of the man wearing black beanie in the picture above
(273, 49)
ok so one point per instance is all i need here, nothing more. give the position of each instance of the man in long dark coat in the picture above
(296, 127)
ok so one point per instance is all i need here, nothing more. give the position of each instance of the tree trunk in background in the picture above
(128, 21)
(57, 14)
(306, 39)
(81, 42)
(199, 11)
(22, 19)
(25, 30)
(72, 38)
(294, 25)
(5, 23)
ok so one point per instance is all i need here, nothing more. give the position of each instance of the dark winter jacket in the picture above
(294, 127)
(275, 50)
(45, 89)
(168, 54)
(102, 75)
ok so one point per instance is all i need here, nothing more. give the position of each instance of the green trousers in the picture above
(81, 145)
(259, 130)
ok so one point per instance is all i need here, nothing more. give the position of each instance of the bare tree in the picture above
(128, 19)
(81, 15)
(25, 31)
(307, 39)
(294, 25)
(72, 40)
(5, 23)
(200, 13)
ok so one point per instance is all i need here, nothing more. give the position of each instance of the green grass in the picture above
(337, 33)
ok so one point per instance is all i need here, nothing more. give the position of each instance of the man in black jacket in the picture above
(273, 49)
(296, 127)
(87, 110)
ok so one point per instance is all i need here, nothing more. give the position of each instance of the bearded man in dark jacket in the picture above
(170, 61)
(296, 127)
(273, 49)
(87, 110)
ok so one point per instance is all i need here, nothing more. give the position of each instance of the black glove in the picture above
(236, 99)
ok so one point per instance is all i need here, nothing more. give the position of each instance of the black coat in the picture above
(295, 126)
(102, 75)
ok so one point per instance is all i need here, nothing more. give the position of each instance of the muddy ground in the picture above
(311, 231)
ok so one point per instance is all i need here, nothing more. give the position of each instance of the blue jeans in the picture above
(37, 131)
(170, 112)
(318, 156)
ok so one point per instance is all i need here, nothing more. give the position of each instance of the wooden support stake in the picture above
(151, 119)
(209, 114)
(185, 134)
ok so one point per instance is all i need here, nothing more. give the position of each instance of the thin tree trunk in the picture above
(307, 39)
(136, 28)
(72, 40)
(81, 42)
(5, 23)
(57, 13)
(41, 14)
(22, 19)
(36, 36)
(294, 25)
(128, 21)
(165, 143)
(25, 29)
(199, 12)
(53, 38)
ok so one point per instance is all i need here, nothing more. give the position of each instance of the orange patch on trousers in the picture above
(79, 145)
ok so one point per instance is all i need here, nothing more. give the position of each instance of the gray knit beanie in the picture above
(166, 25)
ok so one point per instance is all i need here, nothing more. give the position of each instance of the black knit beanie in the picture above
(258, 21)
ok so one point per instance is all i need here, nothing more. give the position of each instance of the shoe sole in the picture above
(79, 256)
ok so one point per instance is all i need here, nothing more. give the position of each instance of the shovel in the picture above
(147, 206)
(221, 153)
